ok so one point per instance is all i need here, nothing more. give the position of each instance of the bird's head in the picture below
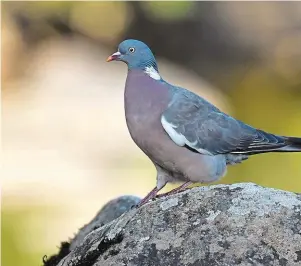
(135, 54)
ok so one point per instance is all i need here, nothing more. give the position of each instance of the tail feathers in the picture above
(293, 144)
(266, 142)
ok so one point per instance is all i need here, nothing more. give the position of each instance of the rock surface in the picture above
(112, 210)
(242, 224)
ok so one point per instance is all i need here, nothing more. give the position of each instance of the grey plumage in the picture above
(209, 130)
(187, 138)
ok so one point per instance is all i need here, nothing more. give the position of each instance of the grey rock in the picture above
(242, 224)
(110, 211)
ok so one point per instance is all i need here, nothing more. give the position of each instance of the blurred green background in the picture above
(66, 149)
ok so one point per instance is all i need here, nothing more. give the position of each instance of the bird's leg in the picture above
(162, 179)
(176, 190)
(149, 196)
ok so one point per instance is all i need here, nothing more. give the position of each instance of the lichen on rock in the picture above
(241, 224)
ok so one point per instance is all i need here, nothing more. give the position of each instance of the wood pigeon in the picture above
(187, 138)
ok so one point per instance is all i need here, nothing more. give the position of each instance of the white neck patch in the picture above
(152, 72)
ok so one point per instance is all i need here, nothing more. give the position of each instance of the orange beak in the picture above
(113, 57)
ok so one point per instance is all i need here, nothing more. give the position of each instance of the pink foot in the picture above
(176, 190)
(148, 197)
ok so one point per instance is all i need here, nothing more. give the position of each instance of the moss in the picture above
(55, 259)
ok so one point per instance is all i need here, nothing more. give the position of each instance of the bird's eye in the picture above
(132, 49)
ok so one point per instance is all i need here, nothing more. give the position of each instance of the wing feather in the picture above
(193, 122)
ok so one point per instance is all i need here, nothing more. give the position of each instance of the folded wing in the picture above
(193, 122)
